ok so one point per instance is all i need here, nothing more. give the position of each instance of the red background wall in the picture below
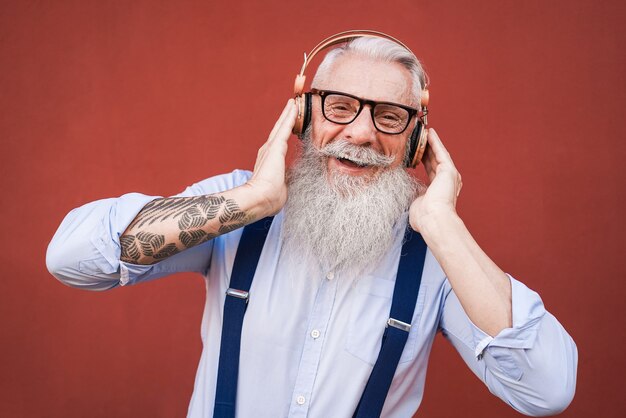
(98, 98)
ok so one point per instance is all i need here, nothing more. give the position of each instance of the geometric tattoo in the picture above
(191, 215)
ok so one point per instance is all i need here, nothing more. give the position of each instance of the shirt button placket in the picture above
(312, 350)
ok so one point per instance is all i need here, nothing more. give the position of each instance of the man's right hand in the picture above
(267, 183)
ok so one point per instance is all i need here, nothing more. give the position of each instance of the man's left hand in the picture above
(444, 188)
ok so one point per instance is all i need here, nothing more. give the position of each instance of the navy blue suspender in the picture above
(246, 260)
(396, 334)
(405, 292)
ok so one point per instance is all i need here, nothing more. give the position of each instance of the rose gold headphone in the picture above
(417, 140)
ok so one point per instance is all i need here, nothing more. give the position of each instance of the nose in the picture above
(362, 130)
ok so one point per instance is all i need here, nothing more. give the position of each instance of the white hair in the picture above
(378, 49)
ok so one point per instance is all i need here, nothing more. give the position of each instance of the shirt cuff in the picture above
(527, 310)
(112, 227)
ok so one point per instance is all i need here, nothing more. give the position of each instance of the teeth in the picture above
(360, 164)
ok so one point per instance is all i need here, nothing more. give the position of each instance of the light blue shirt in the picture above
(310, 337)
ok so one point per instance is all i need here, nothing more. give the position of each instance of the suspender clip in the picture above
(241, 294)
(399, 324)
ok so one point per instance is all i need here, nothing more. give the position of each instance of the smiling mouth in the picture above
(351, 163)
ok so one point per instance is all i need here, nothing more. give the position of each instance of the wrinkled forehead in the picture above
(368, 78)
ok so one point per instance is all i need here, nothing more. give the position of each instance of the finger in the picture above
(286, 125)
(439, 150)
(282, 116)
(429, 164)
(260, 156)
(276, 144)
(286, 120)
(430, 161)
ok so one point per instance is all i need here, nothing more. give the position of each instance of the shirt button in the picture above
(330, 275)
(315, 334)
(300, 400)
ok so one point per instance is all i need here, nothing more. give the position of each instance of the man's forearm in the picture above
(482, 287)
(165, 227)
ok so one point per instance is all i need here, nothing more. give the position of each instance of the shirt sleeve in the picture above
(531, 366)
(85, 251)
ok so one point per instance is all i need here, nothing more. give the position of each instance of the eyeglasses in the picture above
(344, 108)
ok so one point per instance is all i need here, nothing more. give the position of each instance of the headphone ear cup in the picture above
(297, 126)
(419, 141)
(414, 140)
(303, 102)
(306, 112)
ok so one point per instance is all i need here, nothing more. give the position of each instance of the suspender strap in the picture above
(396, 334)
(246, 260)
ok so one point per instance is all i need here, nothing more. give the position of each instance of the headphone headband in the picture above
(344, 37)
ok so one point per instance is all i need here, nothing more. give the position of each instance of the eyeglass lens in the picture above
(344, 109)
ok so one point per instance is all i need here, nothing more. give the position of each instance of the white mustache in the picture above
(341, 148)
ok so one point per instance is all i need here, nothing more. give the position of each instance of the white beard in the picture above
(344, 222)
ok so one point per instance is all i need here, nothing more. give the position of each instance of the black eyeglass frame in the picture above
(362, 102)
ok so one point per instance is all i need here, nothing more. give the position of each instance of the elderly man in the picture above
(317, 313)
